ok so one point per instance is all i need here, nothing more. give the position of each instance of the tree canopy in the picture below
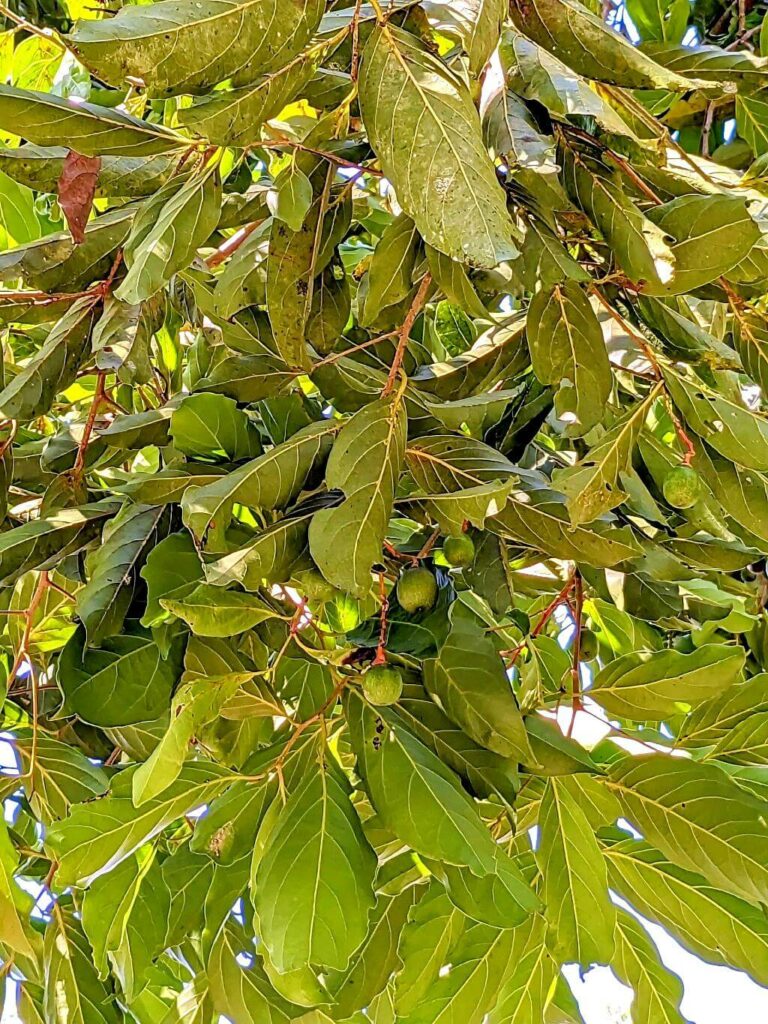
(384, 454)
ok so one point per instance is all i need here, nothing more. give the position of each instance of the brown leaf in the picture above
(77, 186)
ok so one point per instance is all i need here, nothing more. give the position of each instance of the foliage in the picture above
(384, 447)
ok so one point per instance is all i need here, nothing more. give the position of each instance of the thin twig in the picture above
(404, 333)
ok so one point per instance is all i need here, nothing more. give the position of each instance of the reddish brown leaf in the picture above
(77, 186)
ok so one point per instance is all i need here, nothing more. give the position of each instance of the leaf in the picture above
(103, 603)
(592, 486)
(98, 836)
(76, 189)
(466, 991)
(318, 833)
(364, 463)
(234, 117)
(15, 904)
(40, 167)
(457, 205)
(594, 50)
(211, 426)
(293, 196)
(123, 682)
(209, 611)
(732, 429)
(580, 916)
(122, 337)
(525, 992)
(42, 543)
(658, 992)
(711, 923)
(698, 817)
(660, 684)
(59, 777)
(46, 120)
(271, 481)
(502, 899)
(711, 63)
(469, 682)
(641, 243)
(477, 23)
(373, 963)
(752, 122)
(171, 566)
(567, 349)
(33, 390)
(236, 41)
(390, 273)
(242, 993)
(712, 235)
(194, 705)
(124, 917)
(167, 232)
(73, 992)
(427, 808)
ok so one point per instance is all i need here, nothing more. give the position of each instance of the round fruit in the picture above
(588, 645)
(417, 590)
(459, 551)
(382, 684)
(682, 487)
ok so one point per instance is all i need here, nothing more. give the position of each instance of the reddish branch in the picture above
(404, 334)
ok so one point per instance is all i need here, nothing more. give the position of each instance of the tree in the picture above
(383, 403)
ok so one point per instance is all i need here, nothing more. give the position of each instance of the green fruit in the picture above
(417, 590)
(682, 487)
(459, 551)
(588, 645)
(382, 684)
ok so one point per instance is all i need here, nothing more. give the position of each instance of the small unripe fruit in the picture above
(682, 487)
(588, 645)
(417, 590)
(459, 551)
(382, 684)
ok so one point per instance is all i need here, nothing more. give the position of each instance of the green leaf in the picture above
(194, 705)
(580, 916)
(112, 570)
(567, 349)
(699, 818)
(209, 611)
(658, 992)
(124, 917)
(293, 196)
(42, 543)
(373, 963)
(713, 924)
(469, 682)
(390, 273)
(73, 992)
(525, 993)
(237, 41)
(15, 903)
(98, 836)
(587, 44)
(416, 796)
(123, 682)
(33, 390)
(167, 231)
(171, 566)
(46, 119)
(319, 834)
(271, 481)
(364, 463)
(212, 427)
(661, 684)
(712, 235)
(592, 486)
(59, 777)
(244, 995)
(234, 117)
(502, 898)
(477, 23)
(752, 122)
(441, 172)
